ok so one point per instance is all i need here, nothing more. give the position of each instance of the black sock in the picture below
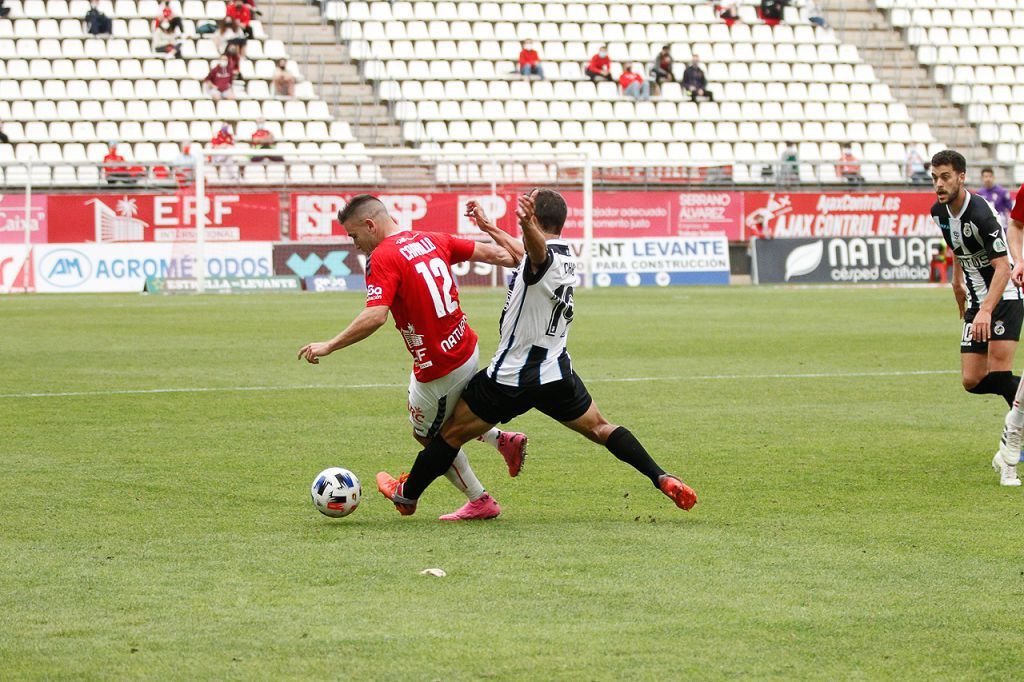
(626, 447)
(998, 383)
(433, 461)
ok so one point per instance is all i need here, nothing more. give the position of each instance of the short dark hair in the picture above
(360, 206)
(986, 169)
(551, 211)
(948, 157)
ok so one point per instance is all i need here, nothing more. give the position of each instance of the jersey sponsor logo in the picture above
(374, 293)
(455, 337)
(414, 250)
(412, 339)
(999, 246)
(974, 262)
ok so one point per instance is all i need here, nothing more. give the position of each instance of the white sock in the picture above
(491, 437)
(1016, 416)
(462, 477)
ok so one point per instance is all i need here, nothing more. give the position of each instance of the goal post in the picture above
(388, 171)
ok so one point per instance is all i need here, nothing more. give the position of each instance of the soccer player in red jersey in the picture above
(408, 273)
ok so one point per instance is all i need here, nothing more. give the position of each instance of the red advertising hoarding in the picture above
(169, 217)
(778, 215)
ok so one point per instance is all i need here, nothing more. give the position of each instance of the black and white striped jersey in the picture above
(535, 322)
(977, 238)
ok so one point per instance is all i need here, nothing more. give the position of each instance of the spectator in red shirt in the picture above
(116, 172)
(218, 81)
(600, 66)
(264, 139)
(242, 15)
(634, 85)
(661, 69)
(529, 61)
(849, 167)
(225, 140)
(234, 61)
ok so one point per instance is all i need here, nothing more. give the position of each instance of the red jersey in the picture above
(528, 58)
(628, 78)
(243, 16)
(411, 273)
(598, 63)
(1018, 206)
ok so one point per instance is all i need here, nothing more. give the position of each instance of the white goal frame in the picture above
(430, 157)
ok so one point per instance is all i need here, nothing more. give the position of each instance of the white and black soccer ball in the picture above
(336, 492)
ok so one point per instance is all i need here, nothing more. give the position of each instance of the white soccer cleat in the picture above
(1007, 472)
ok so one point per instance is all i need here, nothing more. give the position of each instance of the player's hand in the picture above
(961, 300)
(312, 352)
(525, 211)
(1017, 276)
(981, 329)
(475, 212)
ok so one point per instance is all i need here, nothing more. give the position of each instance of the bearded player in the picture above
(990, 303)
(409, 274)
(531, 368)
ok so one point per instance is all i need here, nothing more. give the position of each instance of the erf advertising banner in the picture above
(657, 262)
(15, 269)
(616, 214)
(64, 268)
(843, 260)
(794, 215)
(112, 218)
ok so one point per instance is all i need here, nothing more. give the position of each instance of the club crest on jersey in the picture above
(412, 339)
(968, 229)
(998, 328)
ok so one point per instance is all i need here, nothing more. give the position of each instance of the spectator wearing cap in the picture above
(600, 66)
(166, 39)
(96, 22)
(218, 81)
(994, 194)
(283, 81)
(661, 68)
(242, 15)
(264, 139)
(633, 84)
(529, 61)
(695, 82)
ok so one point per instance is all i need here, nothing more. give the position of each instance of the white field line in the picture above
(610, 380)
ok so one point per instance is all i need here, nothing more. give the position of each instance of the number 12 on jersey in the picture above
(439, 269)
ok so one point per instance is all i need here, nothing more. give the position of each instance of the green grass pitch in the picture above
(849, 525)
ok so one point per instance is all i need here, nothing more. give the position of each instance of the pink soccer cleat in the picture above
(484, 507)
(512, 447)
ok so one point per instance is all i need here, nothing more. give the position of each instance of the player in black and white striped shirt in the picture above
(531, 368)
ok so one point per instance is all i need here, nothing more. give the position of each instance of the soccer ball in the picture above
(336, 492)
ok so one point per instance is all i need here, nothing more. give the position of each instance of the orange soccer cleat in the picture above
(682, 494)
(391, 488)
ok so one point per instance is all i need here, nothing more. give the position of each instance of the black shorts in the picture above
(1006, 322)
(495, 403)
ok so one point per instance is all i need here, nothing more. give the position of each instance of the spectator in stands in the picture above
(227, 33)
(3, 136)
(695, 82)
(168, 14)
(915, 169)
(529, 61)
(633, 84)
(849, 167)
(995, 194)
(184, 165)
(600, 66)
(225, 140)
(96, 22)
(661, 69)
(771, 12)
(264, 139)
(166, 39)
(218, 81)
(284, 81)
(789, 165)
(241, 13)
(729, 13)
(114, 170)
(815, 15)
(234, 61)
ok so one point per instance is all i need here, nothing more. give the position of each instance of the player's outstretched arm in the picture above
(493, 254)
(367, 322)
(1015, 240)
(533, 238)
(475, 212)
